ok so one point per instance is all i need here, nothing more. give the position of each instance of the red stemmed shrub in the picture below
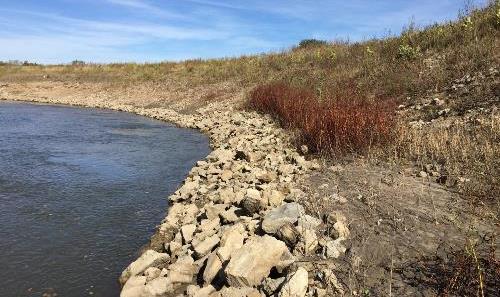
(328, 125)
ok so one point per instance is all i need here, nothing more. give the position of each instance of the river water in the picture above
(81, 191)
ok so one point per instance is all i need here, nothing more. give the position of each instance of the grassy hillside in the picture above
(428, 97)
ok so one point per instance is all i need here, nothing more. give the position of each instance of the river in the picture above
(81, 191)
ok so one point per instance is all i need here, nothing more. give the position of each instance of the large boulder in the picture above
(250, 264)
(277, 217)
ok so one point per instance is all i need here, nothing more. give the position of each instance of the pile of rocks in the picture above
(236, 226)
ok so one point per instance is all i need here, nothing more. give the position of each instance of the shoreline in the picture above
(233, 203)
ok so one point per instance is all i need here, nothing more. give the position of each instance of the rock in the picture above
(226, 175)
(182, 271)
(289, 234)
(270, 286)
(213, 211)
(221, 155)
(437, 102)
(238, 292)
(251, 205)
(187, 232)
(296, 284)
(230, 216)
(204, 247)
(226, 195)
(250, 264)
(134, 287)
(253, 193)
(304, 149)
(158, 287)
(152, 273)
(277, 217)
(330, 279)
(231, 240)
(308, 222)
(188, 189)
(205, 291)
(310, 241)
(148, 259)
(266, 177)
(275, 198)
(212, 268)
(342, 230)
(333, 249)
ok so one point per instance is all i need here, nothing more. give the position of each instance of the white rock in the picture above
(187, 232)
(212, 268)
(204, 247)
(296, 285)
(157, 287)
(252, 263)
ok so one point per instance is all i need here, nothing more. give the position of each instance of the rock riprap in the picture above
(236, 226)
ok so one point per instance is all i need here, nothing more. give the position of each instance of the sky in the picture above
(101, 31)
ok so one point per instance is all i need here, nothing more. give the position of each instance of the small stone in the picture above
(251, 205)
(270, 286)
(289, 234)
(308, 222)
(230, 216)
(226, 175)
(239, 292)
(333, 249)
(310, 241)
(296, 285)
(342, 230)
(275, 198)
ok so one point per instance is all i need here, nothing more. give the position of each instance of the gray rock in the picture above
(277, 217)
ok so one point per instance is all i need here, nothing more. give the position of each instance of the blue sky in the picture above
(59, 31)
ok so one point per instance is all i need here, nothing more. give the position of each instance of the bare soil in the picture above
(399, 224)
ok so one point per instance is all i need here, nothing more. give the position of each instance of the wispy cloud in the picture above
(147, 7)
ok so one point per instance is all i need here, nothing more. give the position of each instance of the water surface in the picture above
(80, 192)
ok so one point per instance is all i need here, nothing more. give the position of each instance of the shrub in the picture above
(407, 52)
(327, 126)
(308, 43)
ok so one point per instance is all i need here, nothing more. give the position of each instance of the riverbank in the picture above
(237, 222)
